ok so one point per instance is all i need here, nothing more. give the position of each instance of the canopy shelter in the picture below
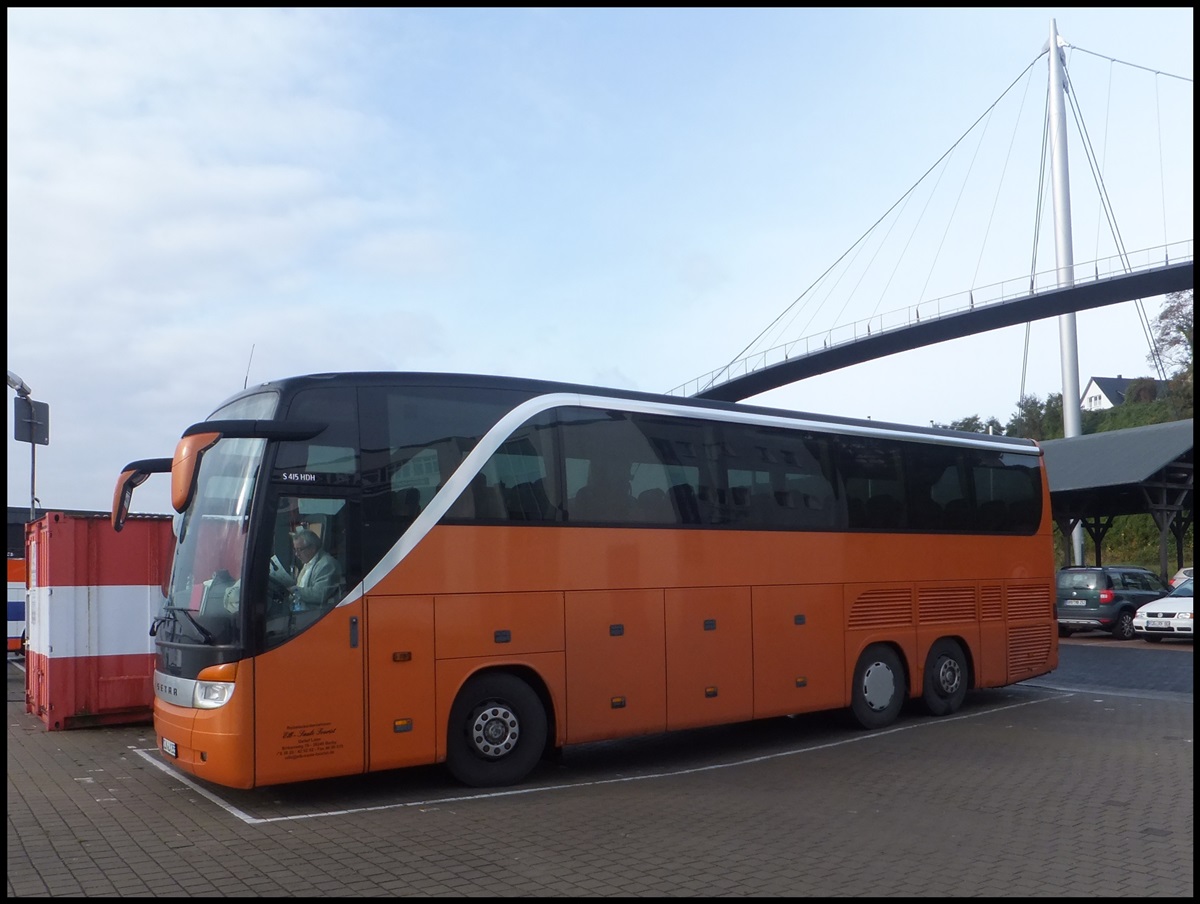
(1096, 477)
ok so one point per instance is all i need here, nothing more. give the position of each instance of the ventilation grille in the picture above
(1031, 601)
(1028, 651)
(885, 608)
(991, 599)
(946, 604)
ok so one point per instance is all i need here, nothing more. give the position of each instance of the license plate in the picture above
(1075, 603)
(170, 748)
(1158, 623)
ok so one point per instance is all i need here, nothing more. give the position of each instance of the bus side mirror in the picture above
(133, 475)
(187, 460)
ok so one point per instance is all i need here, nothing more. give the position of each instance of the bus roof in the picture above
(535, 387)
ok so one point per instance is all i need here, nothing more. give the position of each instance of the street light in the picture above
(15, 382)
(31, 424)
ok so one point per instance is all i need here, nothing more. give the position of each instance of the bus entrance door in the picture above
(309, 702)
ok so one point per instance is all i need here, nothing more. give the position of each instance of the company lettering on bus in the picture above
(516, 566)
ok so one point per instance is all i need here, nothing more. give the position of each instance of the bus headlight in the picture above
(214, 685)
(212, 694)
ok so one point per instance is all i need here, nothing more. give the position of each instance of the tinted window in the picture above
(522, 474)
(1008, 491)
(296, 597)
(413, 438)
(621, 468)
(1136, 581)
(331, 457)
(872, 474)
(774, 478)
(938, 492)
(259, 406)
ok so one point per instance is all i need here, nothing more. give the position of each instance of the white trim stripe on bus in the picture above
(503, 429)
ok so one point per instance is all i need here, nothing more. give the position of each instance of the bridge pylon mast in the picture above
(1064, 254)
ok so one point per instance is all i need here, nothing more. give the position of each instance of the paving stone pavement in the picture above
(1030, 791)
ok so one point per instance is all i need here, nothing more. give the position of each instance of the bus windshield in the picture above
(211, 537)
(203, 606)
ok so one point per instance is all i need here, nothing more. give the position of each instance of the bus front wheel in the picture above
(878, 692)
(497, 731)
(945, 678)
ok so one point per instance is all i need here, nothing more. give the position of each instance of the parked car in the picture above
(1170, 616)
(1183, 574)
(1104, 598)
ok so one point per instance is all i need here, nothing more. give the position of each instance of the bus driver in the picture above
(319, 579)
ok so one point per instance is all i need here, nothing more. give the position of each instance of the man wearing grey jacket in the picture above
(319, 581)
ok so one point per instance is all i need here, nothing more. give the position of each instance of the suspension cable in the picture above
(1143, 319)
(1182, 78)
(725, 369)
(1037, 228)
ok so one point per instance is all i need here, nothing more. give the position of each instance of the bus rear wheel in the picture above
(945, 678)
(497, 731)
(878, 692)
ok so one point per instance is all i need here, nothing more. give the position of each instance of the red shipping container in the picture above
(16, 606)
(93, 594)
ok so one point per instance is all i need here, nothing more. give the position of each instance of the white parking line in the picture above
(152, 756)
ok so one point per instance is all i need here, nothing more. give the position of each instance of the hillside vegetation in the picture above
(1133, 539)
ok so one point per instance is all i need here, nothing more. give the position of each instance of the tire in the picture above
(878, 691)
(1123, 629)
(1064, 632)
(1152, 638)
(946, 678)
(497, 731)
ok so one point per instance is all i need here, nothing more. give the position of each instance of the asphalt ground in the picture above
(1076, 784)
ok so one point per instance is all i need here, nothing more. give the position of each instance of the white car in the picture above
(1180, 576)
(1170, 616)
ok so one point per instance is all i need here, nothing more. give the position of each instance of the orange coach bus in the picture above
(526, 565)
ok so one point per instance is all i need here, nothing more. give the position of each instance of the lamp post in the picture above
(31, 424)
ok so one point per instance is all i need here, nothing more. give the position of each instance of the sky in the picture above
(202, 199)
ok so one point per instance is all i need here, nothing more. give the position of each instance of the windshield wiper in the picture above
(205, 634)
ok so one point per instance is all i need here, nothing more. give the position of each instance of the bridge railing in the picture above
(933, 309)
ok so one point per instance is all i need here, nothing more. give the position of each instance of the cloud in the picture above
(201, 198)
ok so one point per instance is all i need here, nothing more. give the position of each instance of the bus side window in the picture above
(683, 495)
(653, 506)
(1007, 491)
(673, 461)
(523, 472)
(599, 448)
(480, 501)
(607, 496)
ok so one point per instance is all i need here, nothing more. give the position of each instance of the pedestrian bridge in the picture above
(1144, 274)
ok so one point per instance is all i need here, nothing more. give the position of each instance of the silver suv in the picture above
(1104, 598)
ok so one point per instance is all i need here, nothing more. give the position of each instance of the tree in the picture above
(1179, 395)
(1027, 419)
(1035, 419)
(974, 424)
(1172, 332)
(1052, 417)
(1141, 390)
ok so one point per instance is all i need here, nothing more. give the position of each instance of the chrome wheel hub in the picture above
(495, 731)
